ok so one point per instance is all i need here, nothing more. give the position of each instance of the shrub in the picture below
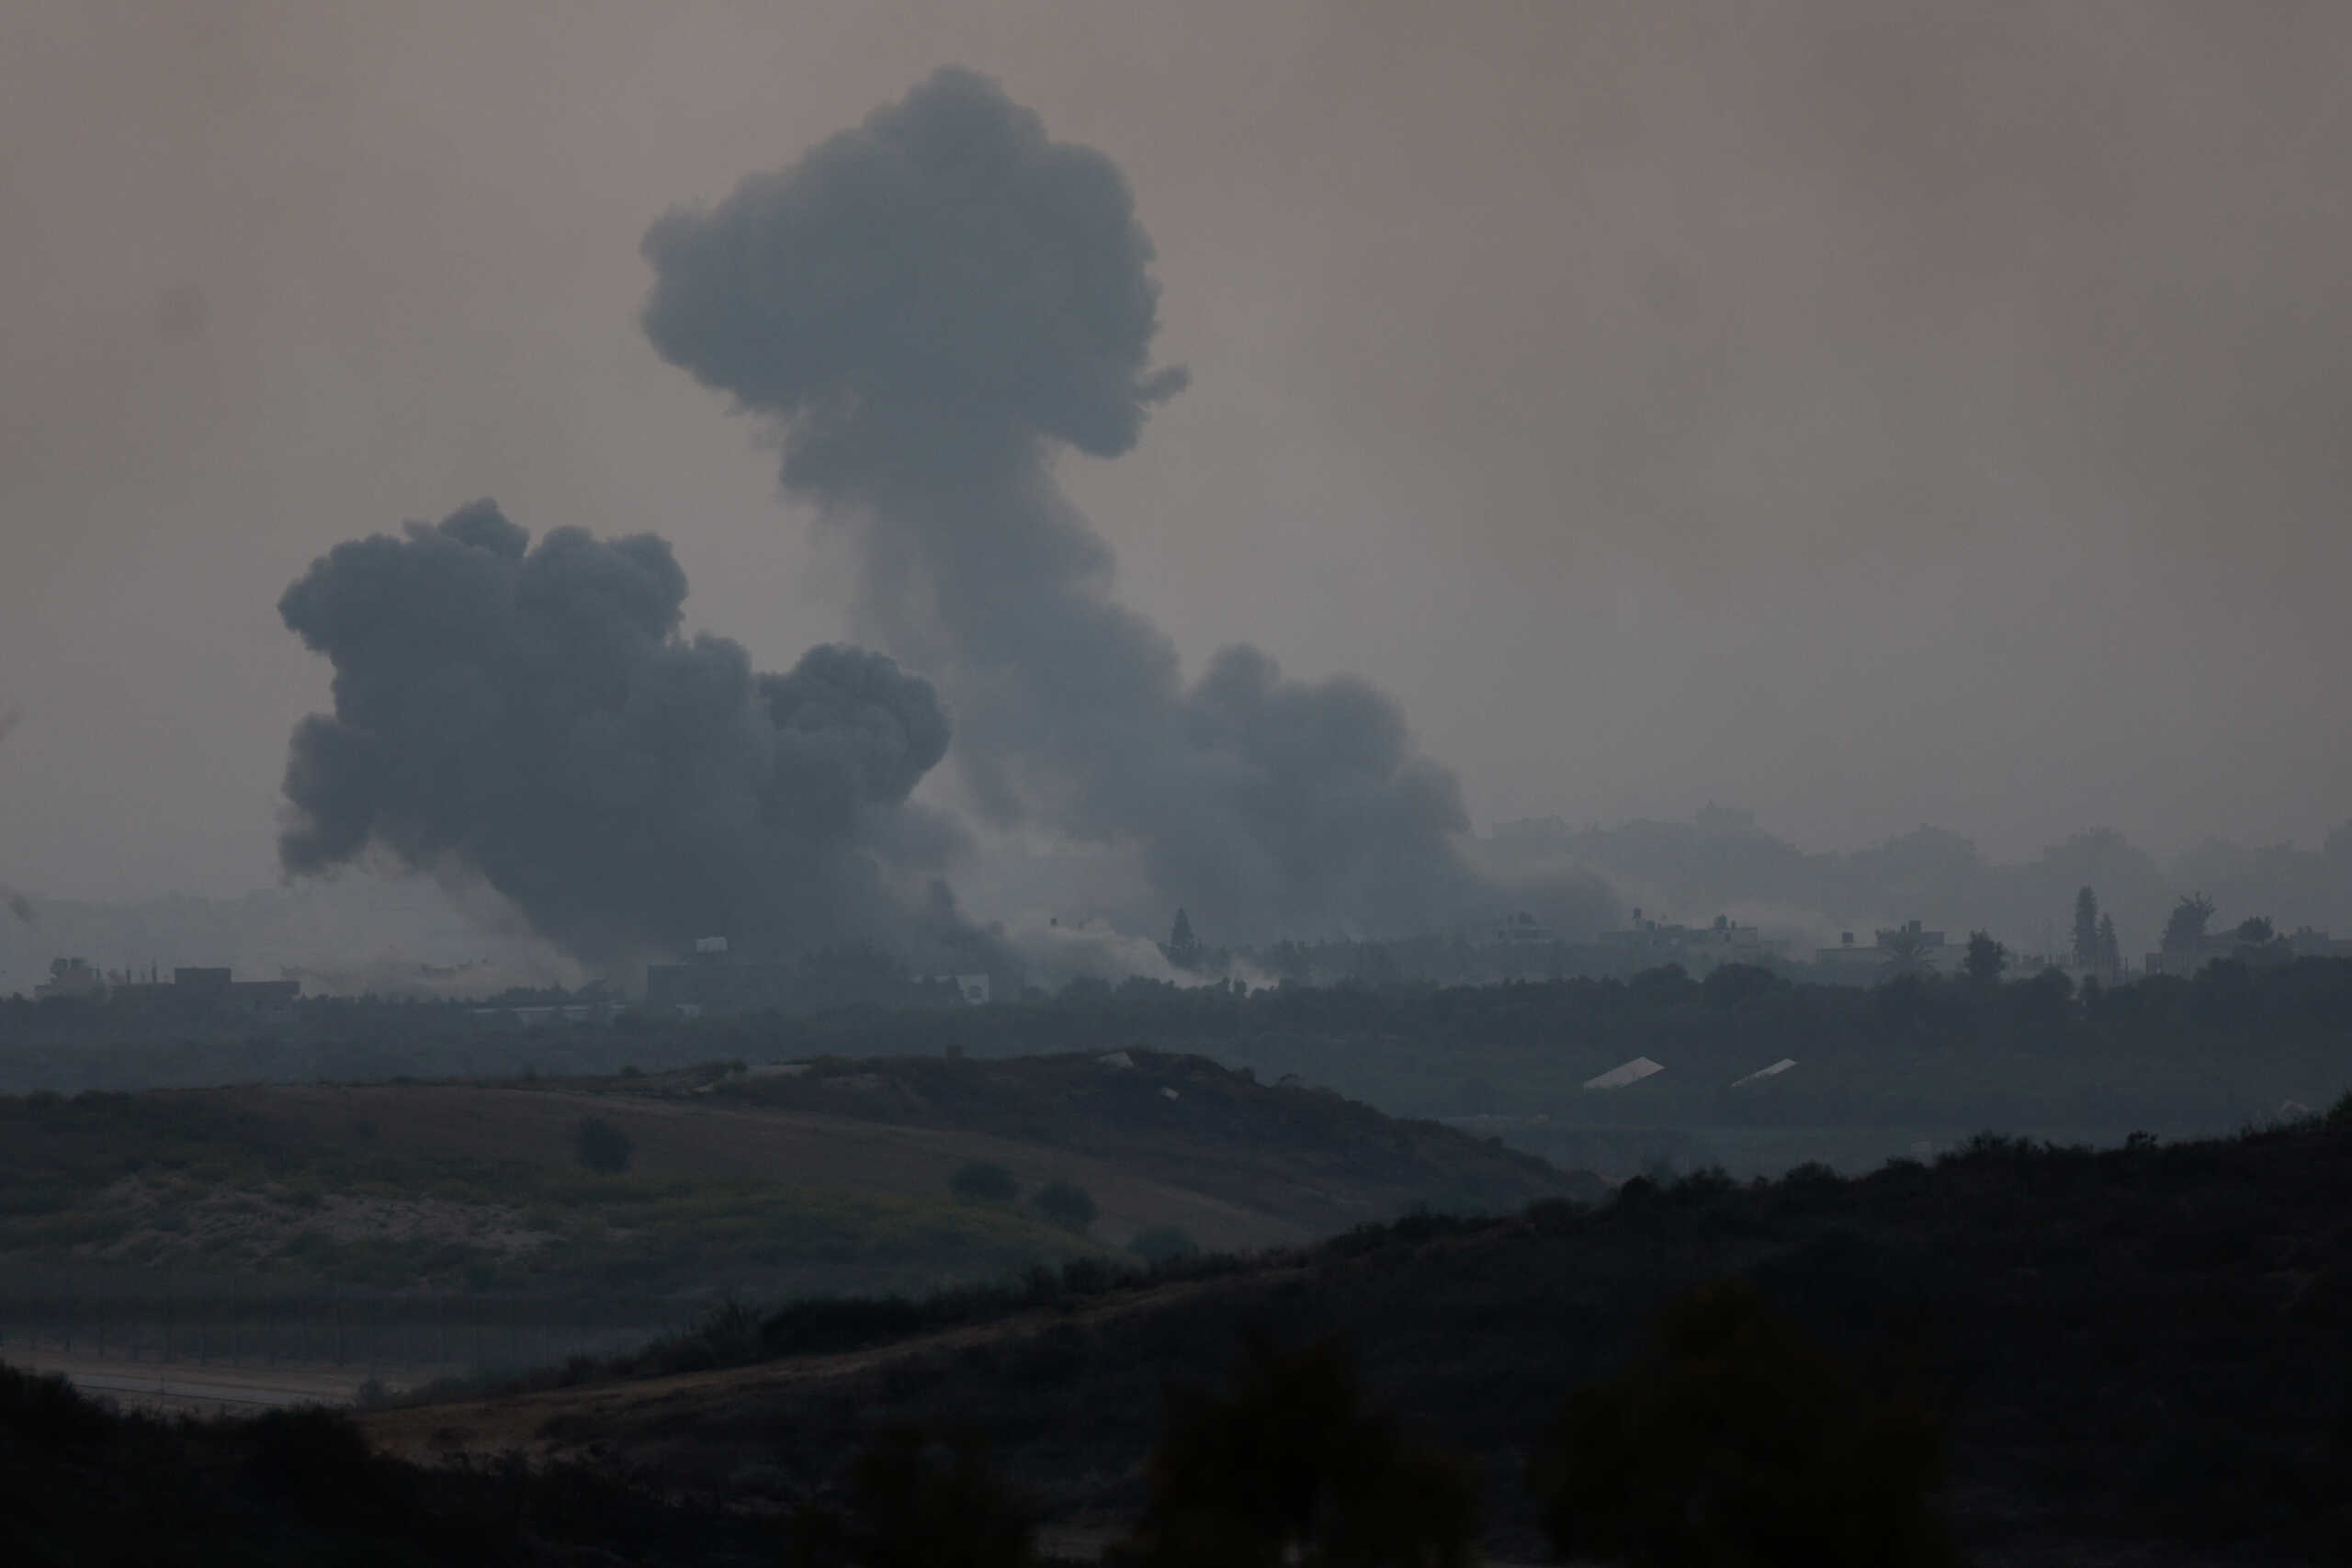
(43, 1412)
(1290, 1464)
(1066, 1203)
(603, 1147)
(915, 1501)
(1164, 1244)
(1737, 1440)
(985, 1181)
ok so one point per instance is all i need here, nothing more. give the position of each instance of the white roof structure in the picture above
(1775, 1070)
(1634, 1071)
(1116, 1059)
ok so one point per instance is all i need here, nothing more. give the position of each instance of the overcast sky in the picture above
(1867, 412)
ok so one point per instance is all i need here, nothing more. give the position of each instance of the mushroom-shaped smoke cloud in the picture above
(928, 305)
(531, 716)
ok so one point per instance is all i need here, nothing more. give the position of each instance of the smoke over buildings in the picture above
(930, 306)
(530, 716)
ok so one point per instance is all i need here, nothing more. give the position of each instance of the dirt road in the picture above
(521, 1423)
(189, 1387)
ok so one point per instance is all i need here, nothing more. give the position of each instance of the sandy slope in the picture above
(543, 1425)
(677, 1138)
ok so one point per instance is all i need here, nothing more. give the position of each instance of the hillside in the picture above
(2144, 1353)
(838, 1179)
(1306, 1154)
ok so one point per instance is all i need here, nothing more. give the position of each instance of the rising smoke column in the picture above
(930, 306)
(530, 715)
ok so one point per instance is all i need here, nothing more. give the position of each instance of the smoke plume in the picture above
(931, 306)
(530, 715)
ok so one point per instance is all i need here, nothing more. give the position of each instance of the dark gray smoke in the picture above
(531, 716)
(930, 305)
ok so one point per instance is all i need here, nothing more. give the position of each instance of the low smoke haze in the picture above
(1866, 414)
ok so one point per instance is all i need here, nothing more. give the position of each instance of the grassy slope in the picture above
(2147, 1346)
(820, 1182)
(1309, 1156)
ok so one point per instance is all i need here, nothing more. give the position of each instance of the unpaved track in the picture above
(208, 1389)
(518, 1423)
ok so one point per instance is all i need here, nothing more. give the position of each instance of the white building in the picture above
(1647, 944)
(1891, 949)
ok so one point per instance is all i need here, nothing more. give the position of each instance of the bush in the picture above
(985, 1181)
(1290, 1464)
(603, 1147)
(1066, 1203)
(913, 1500)
(1164, 1244)
(1737, 1440)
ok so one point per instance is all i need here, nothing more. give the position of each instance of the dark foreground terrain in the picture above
(2137, 1356)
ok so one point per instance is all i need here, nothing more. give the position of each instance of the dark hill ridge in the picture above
(2147, 1353)
(1301, 1152)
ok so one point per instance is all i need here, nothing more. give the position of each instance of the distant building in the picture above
(539, 1014)
(2309, 943)
(1648, 944)
(716, 982)
(191, 993)
(693, 989)
(971, 990)
(2189, 959)
(70, 979)
(1927, 953)
(1522, 929)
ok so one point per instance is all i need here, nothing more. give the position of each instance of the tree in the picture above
(1183, 949)
(1907, 951)
(2086, 929)
(1371, 964)
(1066, 1203)
(1737, 1440)
(1164, 1244)
(1986, 958)
(1731, 984)
(1290, 1467)
(985, 1181)
(2041, 1005)
(2185, 927)
(2110, 950)
(602, 1147)
(2255, 930)
(913, 1500)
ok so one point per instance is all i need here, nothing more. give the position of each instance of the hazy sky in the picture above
(1868, 412)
